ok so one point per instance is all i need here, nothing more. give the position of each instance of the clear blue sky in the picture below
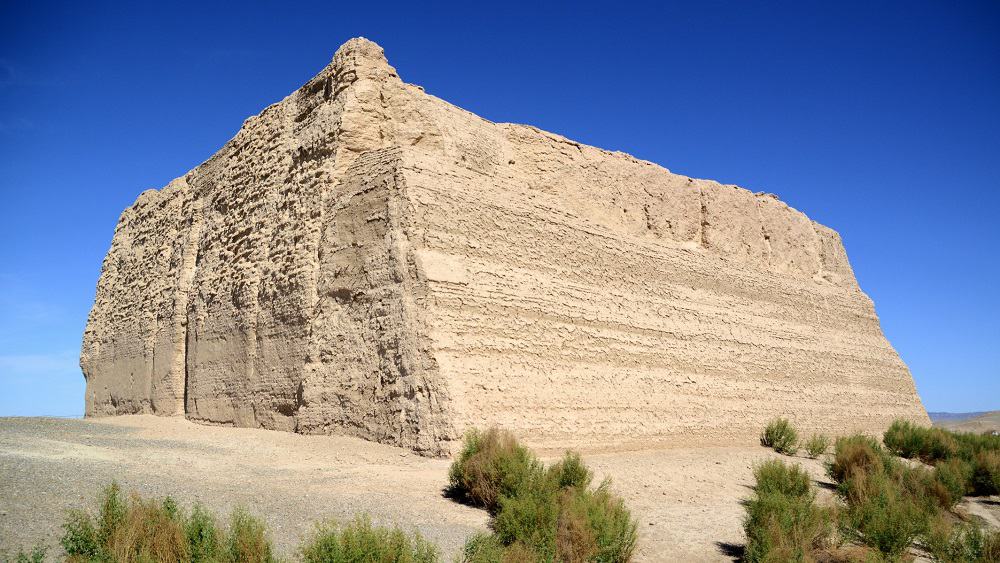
(879, 119)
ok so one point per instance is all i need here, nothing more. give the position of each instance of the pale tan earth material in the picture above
(366, 259)
(984, 422)
(686, 501)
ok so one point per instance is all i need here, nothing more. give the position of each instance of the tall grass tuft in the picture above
(780, 435)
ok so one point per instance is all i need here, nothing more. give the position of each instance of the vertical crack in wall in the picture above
(763, 231)
(704, 217)
(182, 314)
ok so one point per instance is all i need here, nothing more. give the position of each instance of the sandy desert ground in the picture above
(687, 501)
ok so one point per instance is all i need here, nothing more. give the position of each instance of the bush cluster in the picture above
(890, 503)
(780, 435)
(976, 457)
(961, 543)
(141, 530)
(783, 521)
(539, 514)
(136, 529)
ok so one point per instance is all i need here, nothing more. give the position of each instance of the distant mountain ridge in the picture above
(978, 422)
(939, 416)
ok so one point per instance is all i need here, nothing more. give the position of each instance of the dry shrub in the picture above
(248, 540)
(133, 530)
(140, 530)
(520, 553)
(540, 515)
(575, 541)
(856, 453)
(491, 464)
(150, 531)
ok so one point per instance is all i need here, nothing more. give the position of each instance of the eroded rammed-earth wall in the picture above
(364, 258)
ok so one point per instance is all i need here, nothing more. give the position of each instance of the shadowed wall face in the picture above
(364, 258)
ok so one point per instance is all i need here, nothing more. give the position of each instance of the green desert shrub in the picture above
(492, 464)
(483, 548)
(204, 538)
(952, 480)
(79, 538)
(780, 435)
(817, 445)
(570, 524)
(570, 472)
(889, 503)
(36, 555)
(541, 514)
(530, 517)
(985, 478)
(248, 541)
(927, 444)
(141, 530)
(856, 454)
(604, 516)
(783, 521)
(902, 438)
(359, 541)
(879, 514)
(126, 530)
(963, 543)
(774, 476)
(935, 444)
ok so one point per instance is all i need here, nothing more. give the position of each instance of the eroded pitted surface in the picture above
(364, 258)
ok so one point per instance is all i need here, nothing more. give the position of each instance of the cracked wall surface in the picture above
(364, 258)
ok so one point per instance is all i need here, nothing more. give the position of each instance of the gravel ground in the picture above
(687, 500)
(48, 466)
